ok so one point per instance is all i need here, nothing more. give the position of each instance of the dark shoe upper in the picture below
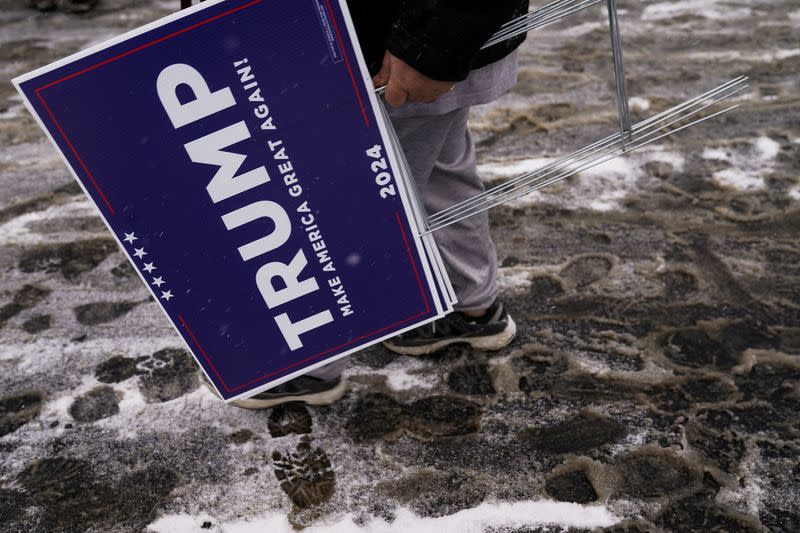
(457, 326)
(300, 386)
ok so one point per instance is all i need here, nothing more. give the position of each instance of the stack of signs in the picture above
(238, 153)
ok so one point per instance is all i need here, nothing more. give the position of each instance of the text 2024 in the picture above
(381, 169)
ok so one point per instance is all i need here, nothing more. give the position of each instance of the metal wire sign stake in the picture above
(630, 137)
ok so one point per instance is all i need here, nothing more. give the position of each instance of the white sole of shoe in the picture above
(316, 399)
(491, 343)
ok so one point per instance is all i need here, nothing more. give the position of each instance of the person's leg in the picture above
(441, 154)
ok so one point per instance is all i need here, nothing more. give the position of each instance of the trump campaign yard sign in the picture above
(234, 151)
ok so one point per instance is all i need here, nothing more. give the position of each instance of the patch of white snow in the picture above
(475, 520)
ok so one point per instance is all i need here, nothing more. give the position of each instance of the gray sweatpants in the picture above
(441, 154)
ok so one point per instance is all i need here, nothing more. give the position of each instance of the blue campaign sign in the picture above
(234, 151)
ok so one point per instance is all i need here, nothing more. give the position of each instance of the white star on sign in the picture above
(148, 267)
(158, 281)
(166, 295)
(139, 252)
(130, 237)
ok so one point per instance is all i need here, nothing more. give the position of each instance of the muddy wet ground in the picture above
(657, 370)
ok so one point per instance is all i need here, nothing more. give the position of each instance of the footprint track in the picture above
(305, 475)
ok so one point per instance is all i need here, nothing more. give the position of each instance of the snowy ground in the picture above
(655, 384)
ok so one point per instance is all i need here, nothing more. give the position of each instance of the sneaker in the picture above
(304, 389)
(492, 331)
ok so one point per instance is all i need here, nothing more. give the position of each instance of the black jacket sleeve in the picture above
(442, 38)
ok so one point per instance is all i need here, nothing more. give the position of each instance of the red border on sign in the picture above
(75, 152)
(99, 190)
(347, 62)
(151, 43)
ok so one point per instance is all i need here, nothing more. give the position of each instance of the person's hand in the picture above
(405, 84)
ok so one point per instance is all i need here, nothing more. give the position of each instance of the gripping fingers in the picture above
(395, 94)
